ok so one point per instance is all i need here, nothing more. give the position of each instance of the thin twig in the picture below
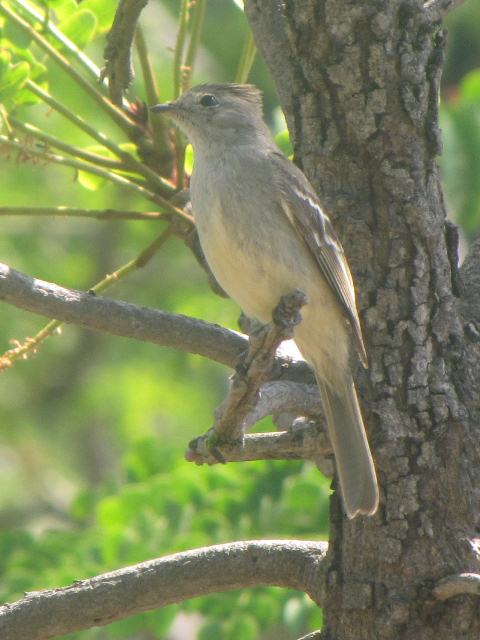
(246, 60)
(159, 130)
(153, 179)
(21, 351)
(291, 564)
(178, 71)
(179, 46)
(52, 141)
(79, 165)
(197, 27)
(118, 52)
(70, 212)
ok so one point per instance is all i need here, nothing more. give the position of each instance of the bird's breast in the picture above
(247, 244)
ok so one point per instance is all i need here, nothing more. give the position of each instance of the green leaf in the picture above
(282, 139)
(12, 79)
(64, 8)
(104, 11)
(38, 70)
(55, 4)
(5, 61)
(265, 608)
(15, 35)
(244, 628)
(80, 27)
(188, 159)
(90, 181)
(211, 631)
(470, 87)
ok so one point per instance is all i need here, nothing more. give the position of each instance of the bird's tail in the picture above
(356, 472)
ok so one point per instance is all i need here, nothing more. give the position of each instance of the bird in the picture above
(264, 234)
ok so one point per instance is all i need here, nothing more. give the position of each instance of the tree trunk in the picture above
(359, 85)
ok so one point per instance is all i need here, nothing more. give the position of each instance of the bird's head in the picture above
(209, 112)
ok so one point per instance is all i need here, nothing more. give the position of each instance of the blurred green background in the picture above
(93, 427)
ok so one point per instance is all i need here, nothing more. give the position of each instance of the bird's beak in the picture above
(166, 107)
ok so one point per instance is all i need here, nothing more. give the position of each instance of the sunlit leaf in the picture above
(80, 27)
(470, 87)
(244, 628)
(283, 142)
(460, 120)
(211, 631)
(5, 62)
(54, 4)
(12, 79)
(16, 36)
(65, 8)
(37, 69)
(104, 11)
(90, 181)
(265, 608)
(188, 159)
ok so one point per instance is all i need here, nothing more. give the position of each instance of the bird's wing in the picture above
(302, 208)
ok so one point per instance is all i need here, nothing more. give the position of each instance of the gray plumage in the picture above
(264, 233)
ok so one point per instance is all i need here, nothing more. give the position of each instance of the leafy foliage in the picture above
(461, 165)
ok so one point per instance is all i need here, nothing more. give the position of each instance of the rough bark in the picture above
(359, 85)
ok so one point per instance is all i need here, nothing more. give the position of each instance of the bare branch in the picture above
(156, 583)
(130, 321)
(457, 585)
(120, 318)
(277, 398)
(118, 53)
(304, 443)
(436, 10)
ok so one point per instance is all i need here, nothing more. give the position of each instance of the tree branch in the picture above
(302, 443)
(457, 585)
(120, 318)
(156, 583)
(118, 53)
(268, 25)
(280, 398)
(130, 321)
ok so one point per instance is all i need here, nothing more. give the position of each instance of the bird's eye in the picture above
(208, 100)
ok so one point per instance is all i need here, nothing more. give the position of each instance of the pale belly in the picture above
(249, 271)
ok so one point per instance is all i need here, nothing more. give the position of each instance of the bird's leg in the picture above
(253, 370)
